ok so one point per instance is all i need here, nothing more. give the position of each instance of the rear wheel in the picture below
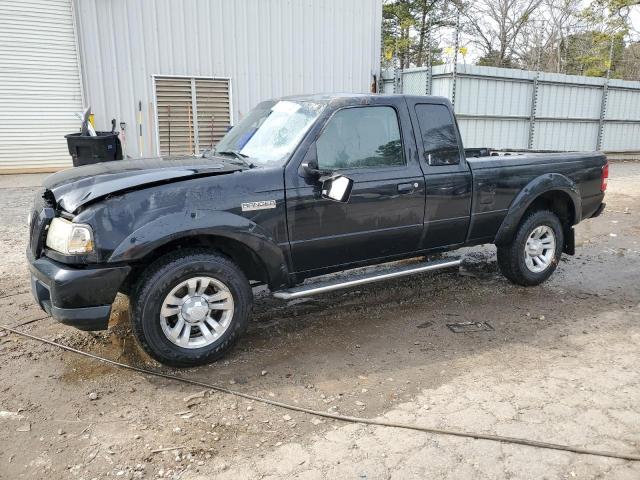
(535, 251)
(189, 307)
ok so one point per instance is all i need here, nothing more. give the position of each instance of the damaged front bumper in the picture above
(79, 297)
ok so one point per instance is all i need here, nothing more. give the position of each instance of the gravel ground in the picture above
(560, 365)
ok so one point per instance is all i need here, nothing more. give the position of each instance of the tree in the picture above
(583, 37)
(565, 16)
(629, 64)
(543, 42)
(610, 25)
(397, 21)
(407, 26)
(497, 27)
(569, 37)
(615, 7)
(587, 53)
(430, 15)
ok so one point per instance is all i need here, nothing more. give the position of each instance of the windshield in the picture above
(270, 132)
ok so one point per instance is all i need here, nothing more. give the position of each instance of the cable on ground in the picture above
(333, 416)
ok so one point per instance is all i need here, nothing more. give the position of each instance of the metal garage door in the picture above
(39, 84)
(193, 113)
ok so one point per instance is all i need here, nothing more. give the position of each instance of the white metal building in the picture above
(179, 69)
(39, 84)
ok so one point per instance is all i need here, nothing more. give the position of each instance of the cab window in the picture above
(361, 137)
(438, 133)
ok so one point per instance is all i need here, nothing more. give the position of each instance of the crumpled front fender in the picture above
(212, 223)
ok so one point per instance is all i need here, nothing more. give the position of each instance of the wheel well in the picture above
(240, 254)
(558, 202)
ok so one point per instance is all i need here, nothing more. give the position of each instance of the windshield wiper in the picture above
(240, 156)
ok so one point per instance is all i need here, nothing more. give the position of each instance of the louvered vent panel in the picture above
(175, 116)
(212, 100)
(193, 114)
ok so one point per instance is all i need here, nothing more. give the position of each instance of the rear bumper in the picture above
(80, 297)
(599, 210)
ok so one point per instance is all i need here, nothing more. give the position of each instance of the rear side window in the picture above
(438, 134)
(360, 137)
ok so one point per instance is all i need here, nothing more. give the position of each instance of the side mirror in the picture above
(337, 188)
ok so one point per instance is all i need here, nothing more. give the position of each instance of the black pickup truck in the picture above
(301, 187)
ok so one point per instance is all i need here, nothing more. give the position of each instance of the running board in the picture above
(323, 287)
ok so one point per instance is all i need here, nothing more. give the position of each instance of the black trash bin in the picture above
(85, 150)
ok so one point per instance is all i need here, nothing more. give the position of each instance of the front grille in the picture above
(41, 216)
(33, 220)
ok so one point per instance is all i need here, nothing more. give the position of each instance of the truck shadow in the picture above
(401, 325)
(395, 329)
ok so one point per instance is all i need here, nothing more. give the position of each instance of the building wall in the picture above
(39, 84)
(268, 48)
(520, 110)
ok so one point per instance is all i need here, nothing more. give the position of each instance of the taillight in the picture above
(605, 177)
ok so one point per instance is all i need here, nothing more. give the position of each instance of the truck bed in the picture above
(532, 159)
(498, 180)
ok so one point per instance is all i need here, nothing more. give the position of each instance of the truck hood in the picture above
(79, 186)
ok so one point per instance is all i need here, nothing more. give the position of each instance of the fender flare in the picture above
(549, 182)
(209, 223)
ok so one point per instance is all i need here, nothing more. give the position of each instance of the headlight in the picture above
(69, 238)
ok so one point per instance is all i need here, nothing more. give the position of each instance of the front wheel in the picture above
(535, 251)
(189, 307)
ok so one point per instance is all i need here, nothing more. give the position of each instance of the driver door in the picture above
(383, 216)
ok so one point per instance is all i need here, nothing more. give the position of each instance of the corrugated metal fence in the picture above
(525, 110)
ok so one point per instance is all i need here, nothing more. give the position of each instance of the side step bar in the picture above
(323, 287)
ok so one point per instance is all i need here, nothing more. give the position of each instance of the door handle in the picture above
(408, 187)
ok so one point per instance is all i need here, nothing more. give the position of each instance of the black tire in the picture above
(157, 281)
(511, 257)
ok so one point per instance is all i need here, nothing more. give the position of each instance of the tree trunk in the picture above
(422, 35)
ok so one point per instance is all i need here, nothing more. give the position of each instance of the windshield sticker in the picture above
(261, 205)
(286, 107)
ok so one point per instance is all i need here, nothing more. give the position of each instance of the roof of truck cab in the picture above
(360, 97)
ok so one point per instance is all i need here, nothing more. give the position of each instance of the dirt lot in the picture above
(561, 365)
